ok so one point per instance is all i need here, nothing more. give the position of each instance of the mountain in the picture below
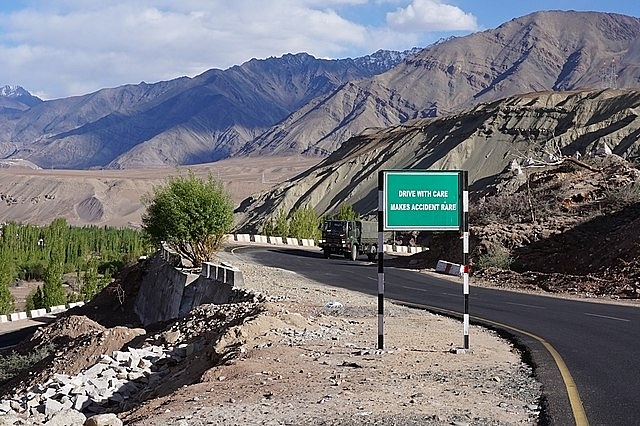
(16, 97)
(14, 100)
(298, 104)
(550, 50)
(484, 140)
(182, 121)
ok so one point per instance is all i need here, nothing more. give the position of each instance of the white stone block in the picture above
(57, 308)
(16, 316)
(34, 313)
(275, 240)
(262, 239)
(448, 268)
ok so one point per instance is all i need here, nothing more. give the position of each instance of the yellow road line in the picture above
(577, 408)
(572, 390)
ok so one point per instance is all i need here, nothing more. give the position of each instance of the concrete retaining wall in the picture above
(167, 293)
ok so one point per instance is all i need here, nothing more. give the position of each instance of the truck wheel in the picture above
(373, 252)
(327, 253)
(354, 252)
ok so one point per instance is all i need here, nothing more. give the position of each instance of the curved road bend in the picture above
(596, 341)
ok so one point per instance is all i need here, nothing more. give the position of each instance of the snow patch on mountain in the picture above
(13, 91)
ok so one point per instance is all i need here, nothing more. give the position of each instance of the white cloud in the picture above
(71, 47)
(431, 15)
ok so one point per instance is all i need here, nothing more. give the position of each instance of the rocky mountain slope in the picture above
(182, 121)
(300, 104)
(544, 51)
(484, 140)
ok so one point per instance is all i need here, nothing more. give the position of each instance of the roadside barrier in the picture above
(448, 268)
(37, 313)
(307, 242)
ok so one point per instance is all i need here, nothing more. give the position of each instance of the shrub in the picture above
(496, 257)
(12, 364)
(191, 214)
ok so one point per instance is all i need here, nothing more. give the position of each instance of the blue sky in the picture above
(61, 48)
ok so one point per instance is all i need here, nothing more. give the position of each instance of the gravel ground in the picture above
(311, 359)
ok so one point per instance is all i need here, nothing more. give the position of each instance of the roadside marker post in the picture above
(423, 200)
(380, 264)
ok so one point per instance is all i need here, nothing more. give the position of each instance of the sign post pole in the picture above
(465, 254)
(423, 200)
(380, 251)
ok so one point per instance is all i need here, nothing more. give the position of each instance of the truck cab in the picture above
(347, 238)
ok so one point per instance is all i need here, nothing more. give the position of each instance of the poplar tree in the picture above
(304, 223)
(7, 302)
(52, 290)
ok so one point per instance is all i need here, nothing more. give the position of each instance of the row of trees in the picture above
(191, 214)
(304, 222)
(94, 254)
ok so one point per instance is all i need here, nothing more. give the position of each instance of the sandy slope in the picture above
(113, 197)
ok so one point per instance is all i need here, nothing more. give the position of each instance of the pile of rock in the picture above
(107, 385)
(100, 388)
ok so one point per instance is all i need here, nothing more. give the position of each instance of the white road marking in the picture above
(413, 288)
(526, 306)
(607, 317)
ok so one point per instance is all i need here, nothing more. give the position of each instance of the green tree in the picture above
(35, 299)
(346, 212)
(268, 228)
(191, 214)
(304, 223)
(52, 290)
(89, 286)
(92, 282)
(281, 225)
(7, 302)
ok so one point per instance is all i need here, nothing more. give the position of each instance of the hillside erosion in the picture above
(535, 129)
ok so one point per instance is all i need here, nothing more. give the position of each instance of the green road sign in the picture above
(422, 200)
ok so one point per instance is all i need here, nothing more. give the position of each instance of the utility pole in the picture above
(609, 75)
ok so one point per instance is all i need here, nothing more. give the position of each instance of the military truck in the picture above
(349, 238)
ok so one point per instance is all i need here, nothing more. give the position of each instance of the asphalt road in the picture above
(596, 342)
(9, 338)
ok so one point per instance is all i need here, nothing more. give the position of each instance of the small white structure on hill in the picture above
(602, 149)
